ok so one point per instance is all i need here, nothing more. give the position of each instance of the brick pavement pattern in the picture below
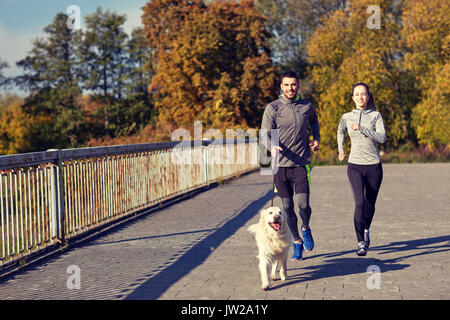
(200, 248)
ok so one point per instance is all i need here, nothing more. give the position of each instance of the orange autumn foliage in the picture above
(212, 63)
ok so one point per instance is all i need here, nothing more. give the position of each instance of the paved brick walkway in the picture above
(200, 248)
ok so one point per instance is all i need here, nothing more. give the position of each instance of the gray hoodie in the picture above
(364, 142)
(291, 118)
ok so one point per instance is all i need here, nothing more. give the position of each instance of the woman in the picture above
(365, 128)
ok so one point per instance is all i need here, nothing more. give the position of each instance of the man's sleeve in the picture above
(314, 124)
(267, 124)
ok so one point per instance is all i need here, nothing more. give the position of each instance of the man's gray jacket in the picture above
(290, 118)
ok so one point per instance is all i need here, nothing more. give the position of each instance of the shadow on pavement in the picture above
(155, 286)
(336, 268)
(98, 243)
(425, 246)
(345, 266)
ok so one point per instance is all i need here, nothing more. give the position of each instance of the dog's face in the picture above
(273, 217)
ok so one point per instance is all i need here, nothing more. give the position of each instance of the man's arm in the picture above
(267, 124)
(315, 129)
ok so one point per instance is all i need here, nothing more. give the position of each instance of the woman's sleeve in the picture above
(379, 134)
(341, 134)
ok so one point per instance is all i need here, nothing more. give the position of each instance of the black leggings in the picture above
(365, 181)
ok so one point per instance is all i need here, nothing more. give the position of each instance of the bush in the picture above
(407, 153)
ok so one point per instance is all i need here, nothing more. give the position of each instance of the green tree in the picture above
(138, 103)
(104, 60)
(3, 80)
(292, 23)
(50, 73)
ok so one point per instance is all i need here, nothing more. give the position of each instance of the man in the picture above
(290, 116)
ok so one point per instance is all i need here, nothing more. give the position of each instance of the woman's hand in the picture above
(341, 156)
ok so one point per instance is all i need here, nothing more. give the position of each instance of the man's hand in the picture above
(314, 146)
(341, 156)
(276, 149)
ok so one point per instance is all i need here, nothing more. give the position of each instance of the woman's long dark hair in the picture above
(371, 102)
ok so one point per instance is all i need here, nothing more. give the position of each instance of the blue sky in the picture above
(21, 21)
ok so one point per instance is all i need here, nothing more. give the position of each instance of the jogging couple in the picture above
(364, 125)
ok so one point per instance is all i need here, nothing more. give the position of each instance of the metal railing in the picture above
(49, 197)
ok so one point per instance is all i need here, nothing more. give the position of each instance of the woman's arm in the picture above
(341, 135)
(379, 134)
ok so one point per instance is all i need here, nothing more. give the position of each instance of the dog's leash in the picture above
(273, 191)
(274, 165)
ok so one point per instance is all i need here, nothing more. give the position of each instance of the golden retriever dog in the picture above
(273, 239)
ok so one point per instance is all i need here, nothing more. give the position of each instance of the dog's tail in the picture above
(253, 228)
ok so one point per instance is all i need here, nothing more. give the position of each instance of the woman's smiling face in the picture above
(360, 96)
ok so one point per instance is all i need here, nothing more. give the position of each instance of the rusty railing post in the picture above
(58, 197)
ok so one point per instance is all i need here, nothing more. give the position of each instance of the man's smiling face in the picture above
(289, 86)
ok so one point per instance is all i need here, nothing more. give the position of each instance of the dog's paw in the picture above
(274, 278)
(265, 284)
(283, 278)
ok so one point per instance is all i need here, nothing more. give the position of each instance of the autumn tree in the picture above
(212, 63)
(426, 34)
(7, 99)
(15, 126)
(345, 51)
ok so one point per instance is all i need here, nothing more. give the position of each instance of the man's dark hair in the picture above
(289, 74)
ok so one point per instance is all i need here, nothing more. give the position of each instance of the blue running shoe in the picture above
(308, 242)
(298, 252)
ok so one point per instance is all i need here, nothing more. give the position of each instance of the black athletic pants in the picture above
(292, 182)
(365, 181)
